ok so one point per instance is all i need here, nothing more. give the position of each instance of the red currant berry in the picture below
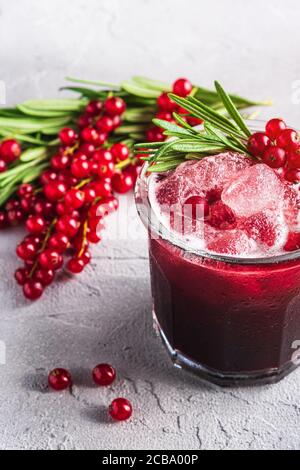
(115, 106)
(10, 150)
(193, 121)
(289, 139)
(275, 157)
(274, 127)
(48, 176)
(55, 190)
(94, 108)
(66, 177)
(293, 159)
(105, 124)
(96, 224)
(67, 225)
(59, 242)
(90, 135)
(293, 176)
(103, 374)
(117, 121)
(59, 379)
(120, 152)
(165, 103)
(258, 143)
(44, 208)
(74, 198)
(3, 166)
(15, 217)
(182, 87)
(60, 162)
(25, 190)
(103, 155)
(199, 207)
(111, 203)
(155, 135)
(120, 409)
(68, 136)
(75, 265)
(165, 116)
(26, 251)
(84, 120)
(102, 188)
(3, 220)
(92, 236)
(33, 290)
(106, 169)
(21, 276)
(44, 276)
(122, 182)
(86, 257)
(80, 168)
(50, 259)
(90, 193)
(35, 224)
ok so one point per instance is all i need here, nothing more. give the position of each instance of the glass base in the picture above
(269, 376)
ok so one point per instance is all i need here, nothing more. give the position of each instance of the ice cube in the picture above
(200, 178)
(267, 228)
(253, 190)
(292, 207)
(231, 242)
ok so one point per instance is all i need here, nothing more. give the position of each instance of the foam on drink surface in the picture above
(251, 209)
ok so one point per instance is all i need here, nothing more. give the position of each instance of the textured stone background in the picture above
(104, 315)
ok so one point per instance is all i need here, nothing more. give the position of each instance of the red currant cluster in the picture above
(10, 151)
(166, 107)
(66, 212)
(278, 147)
(120, 409)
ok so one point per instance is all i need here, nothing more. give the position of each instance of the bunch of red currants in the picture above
(278, 147)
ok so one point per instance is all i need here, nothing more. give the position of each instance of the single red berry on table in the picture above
(154, 134)
(75, 198)
(21, 276)
(94, 108)
(67, 225)
(122, 182)
(293, 176)
(293, 159)
(289, 139)
(59, 379)
(274, 156)
(55, 190)
(274, 127)
(10, 150)
(115, 106)
(120, 409)
(182, 87)
(33, 290)
(67, 136)
(258, 143)
(104, 374)
(44, 276)
(105, 124)
(3, 166)
(165, 103)
(35, 224)
(59, 242)
(50, 259)
(75, 265)
(120, 152)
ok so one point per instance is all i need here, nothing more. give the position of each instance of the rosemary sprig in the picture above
(219, 134)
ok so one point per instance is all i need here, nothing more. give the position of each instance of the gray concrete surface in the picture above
(104, 315)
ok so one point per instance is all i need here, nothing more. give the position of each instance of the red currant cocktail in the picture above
(225, 283)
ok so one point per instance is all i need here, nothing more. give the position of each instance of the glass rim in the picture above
(151, 221)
